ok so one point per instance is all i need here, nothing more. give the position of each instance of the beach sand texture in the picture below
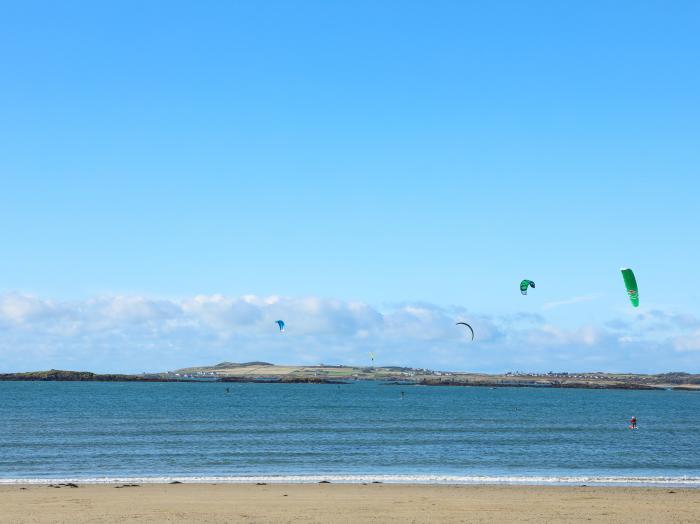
(340, 503)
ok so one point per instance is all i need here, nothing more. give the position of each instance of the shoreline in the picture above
(330, 382)
(660, 482)
(265, 373)
(342, 503)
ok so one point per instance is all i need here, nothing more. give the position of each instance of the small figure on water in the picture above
(633, 422)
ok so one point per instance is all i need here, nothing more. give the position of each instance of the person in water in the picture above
(633, 422)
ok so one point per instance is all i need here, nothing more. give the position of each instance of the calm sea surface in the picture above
(357, 432)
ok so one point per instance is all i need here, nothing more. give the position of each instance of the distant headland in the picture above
(265, 372)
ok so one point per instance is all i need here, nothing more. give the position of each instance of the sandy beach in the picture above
(340, 503)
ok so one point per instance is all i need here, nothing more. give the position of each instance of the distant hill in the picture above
(679, 378)
(78, 376)
(224, 365)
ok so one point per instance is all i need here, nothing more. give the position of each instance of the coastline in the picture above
(336, 503)
(612, 481)
(264, 373)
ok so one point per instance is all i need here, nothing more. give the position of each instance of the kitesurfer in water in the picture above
(633, 422)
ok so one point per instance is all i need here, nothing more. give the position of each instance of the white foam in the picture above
(680, 481)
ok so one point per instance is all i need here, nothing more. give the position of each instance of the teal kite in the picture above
(525, 284)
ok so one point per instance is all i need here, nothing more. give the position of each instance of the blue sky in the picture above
(416, 158)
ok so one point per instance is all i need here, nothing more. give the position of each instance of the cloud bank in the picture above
(135, 333)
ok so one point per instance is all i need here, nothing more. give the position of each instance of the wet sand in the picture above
(341, 503)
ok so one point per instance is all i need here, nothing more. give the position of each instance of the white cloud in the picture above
(689, 342)
(18, 309)
(571, 301)
(135, 333)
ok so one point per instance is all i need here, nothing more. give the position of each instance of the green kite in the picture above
(631, 286)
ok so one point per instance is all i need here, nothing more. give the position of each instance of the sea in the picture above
(359, 432)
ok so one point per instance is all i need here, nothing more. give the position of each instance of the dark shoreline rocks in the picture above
(540, 384)
(282, 380)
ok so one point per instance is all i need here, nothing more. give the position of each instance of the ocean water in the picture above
(354, 433)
